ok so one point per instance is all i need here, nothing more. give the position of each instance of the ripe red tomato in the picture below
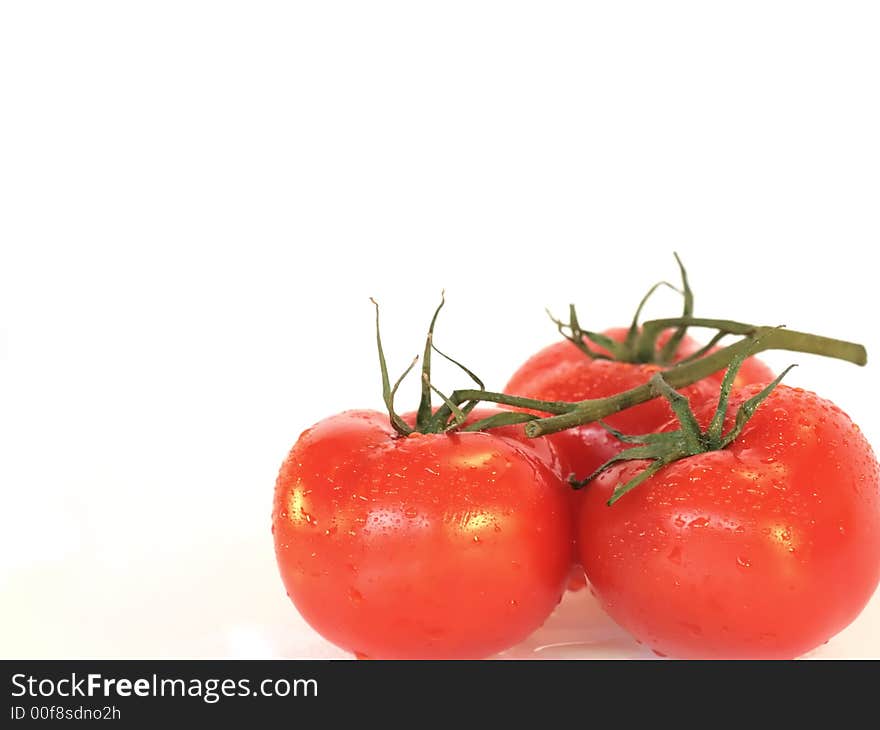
(764, 549)
(426, 546)
(562, 372)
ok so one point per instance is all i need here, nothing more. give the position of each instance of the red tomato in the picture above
(427, 546)
(562, 372)
(764, 549)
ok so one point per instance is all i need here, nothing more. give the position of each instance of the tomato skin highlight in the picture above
(765, 549)
(427, 546)
(542, 447)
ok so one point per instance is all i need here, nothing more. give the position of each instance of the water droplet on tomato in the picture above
(699, 522)
(743, 562)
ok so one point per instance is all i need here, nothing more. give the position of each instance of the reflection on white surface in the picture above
(578, 629)
(219, 600)
(247, 642)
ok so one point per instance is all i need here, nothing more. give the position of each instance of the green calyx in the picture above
(689, 439)
(639, 345)
(452, 414)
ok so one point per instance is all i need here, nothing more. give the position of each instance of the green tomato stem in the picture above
(757, 339)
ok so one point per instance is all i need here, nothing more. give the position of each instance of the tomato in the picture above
(764, 549)
(422, 546)
(563, 372)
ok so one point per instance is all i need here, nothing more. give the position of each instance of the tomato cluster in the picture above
(412, 536)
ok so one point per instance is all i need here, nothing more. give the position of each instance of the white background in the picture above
(198, 198)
